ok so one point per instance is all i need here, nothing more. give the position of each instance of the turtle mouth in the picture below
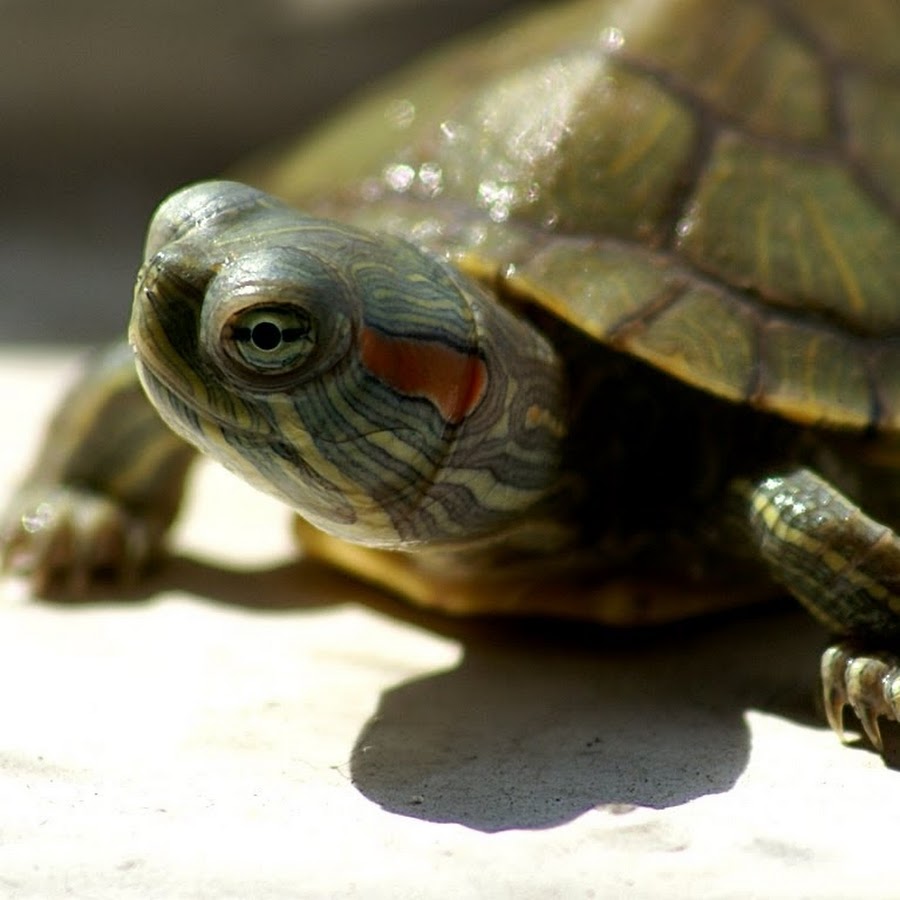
(180, 410)
(163, 339)
(176, 405)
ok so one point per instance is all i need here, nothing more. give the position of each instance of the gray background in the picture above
(107, 105)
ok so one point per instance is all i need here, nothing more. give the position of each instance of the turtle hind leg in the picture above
(845, 568)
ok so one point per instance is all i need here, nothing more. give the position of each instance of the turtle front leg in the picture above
(867, 680)
(845, 568)
(105, 487)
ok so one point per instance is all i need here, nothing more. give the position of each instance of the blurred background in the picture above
(107, 105)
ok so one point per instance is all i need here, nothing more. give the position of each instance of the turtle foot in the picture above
(66, 537)
(867, 681)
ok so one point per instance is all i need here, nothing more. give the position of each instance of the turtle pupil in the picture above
(267, 335)
(270, 339)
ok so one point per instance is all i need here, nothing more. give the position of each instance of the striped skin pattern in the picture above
(103, 490)
(843, 565)
(845, 568)
(366, 384)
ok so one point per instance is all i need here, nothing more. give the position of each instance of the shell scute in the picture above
(711, 186)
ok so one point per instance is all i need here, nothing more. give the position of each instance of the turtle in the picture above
(594, 314)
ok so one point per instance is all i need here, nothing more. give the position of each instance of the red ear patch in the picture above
(453, 381)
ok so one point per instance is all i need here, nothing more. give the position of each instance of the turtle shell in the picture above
(712, 186)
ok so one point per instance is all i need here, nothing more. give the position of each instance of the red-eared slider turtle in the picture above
(601, 320)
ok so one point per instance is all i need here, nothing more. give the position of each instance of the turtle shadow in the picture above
(534, 727)
(296, 584)
(539, 722)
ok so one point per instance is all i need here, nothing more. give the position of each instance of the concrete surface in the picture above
(246, 725)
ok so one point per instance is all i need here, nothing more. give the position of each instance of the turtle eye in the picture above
(269, 339)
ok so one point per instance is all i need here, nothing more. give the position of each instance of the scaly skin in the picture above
(104, 489)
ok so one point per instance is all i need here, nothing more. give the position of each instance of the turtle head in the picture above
(372, 387)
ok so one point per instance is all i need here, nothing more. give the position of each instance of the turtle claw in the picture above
(834, 689)
(868, 682)
(64, 537)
